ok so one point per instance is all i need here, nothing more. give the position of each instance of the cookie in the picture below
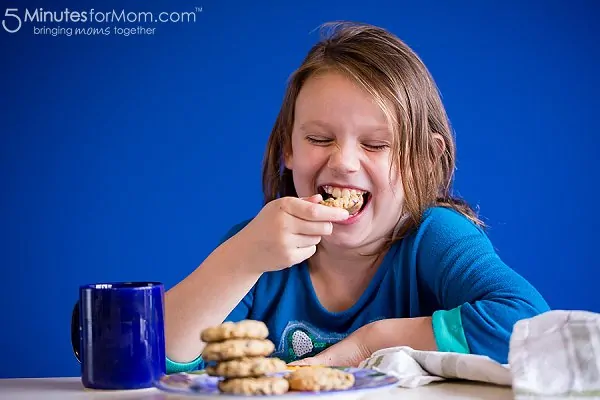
(253, 386)
(349, 199)
(247, 329)
(247, 367)
(319, 379)
(237, 348)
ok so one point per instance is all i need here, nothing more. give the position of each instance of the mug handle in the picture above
(75, 328)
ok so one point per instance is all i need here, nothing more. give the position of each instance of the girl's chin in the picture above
(346, 240)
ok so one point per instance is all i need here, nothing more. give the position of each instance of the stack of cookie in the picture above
(240, 352)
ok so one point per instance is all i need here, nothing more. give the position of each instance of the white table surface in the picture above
(71, 388)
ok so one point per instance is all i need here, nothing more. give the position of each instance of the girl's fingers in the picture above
(311, 211)
(304, 253)
(312, 228)
(315, 198)
(304, 241)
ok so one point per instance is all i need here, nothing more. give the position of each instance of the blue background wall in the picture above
(126, 158)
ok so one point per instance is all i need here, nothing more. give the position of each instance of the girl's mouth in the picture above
(353, 200)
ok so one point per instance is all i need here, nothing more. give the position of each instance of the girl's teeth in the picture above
(338, 192)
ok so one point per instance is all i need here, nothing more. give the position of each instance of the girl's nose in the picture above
(344, 160)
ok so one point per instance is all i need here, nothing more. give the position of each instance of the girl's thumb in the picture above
(315, 198)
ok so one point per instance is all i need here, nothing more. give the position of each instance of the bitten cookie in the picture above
(352, 204)
(319, 379)
(247, 329)
(247, 367)
(251, 386)
(237, 348)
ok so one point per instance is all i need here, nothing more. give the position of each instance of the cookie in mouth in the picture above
(352, 200)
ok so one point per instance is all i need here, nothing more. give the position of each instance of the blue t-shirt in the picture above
(447, 268)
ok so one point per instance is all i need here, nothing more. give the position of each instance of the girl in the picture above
(411, 267)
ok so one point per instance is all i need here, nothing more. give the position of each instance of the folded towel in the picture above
(553, 354)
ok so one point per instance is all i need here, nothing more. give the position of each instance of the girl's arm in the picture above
(481, 298)
(205, 298)
(416, 333)
(284, 233)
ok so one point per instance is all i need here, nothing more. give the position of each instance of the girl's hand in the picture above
(349, 352)
(416, 333)
(287, 231)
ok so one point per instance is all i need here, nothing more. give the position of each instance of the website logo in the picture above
(69, 22)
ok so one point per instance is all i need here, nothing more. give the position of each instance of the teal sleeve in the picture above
(175, 367)
(448, 331)
(481, 295)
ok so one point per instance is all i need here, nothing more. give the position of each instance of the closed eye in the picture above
(318, 141)
(377, 147)
(322, 141)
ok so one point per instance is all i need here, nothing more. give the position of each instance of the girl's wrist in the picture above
(243, 248)
(416, 333)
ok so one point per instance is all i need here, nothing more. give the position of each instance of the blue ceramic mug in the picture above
(117, 333)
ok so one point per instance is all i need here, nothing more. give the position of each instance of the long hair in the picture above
(402, 86)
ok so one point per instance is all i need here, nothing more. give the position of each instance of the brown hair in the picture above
(402, 86)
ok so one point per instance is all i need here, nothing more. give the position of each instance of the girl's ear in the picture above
(439, 146)
(288, 156)
(287, 160)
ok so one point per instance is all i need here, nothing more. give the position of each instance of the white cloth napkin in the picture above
(557, 353)
(417, 368)
(553, 354)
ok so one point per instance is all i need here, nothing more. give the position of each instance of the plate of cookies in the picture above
(239, 365)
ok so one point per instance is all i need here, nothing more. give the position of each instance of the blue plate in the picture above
(199, 384)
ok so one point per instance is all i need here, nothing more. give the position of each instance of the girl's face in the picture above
(341, 139)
